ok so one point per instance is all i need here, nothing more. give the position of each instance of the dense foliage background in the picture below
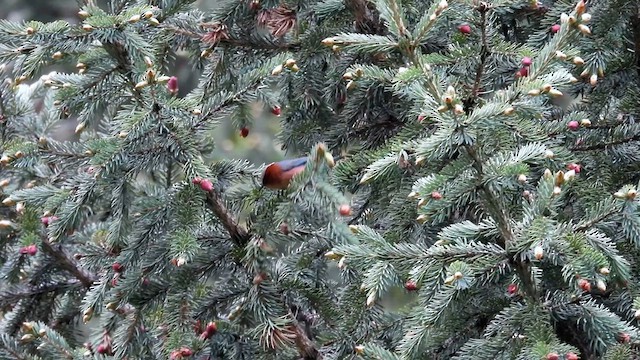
(470, 189)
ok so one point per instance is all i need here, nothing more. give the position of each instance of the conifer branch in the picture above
(293, 46)
(216, 204)
(307, 348)
(366, 19)
(64, 261)
(635, 26)
(604, 145)
(484, 51)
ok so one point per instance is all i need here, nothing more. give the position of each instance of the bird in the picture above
(277, 175)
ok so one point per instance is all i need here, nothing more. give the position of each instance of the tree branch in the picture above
(306, 347)
(67, 263)
(604, 145)
(635, 27)
(216, 204)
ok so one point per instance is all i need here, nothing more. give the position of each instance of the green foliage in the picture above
(456, 202)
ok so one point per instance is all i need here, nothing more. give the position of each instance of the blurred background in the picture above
(259, 147)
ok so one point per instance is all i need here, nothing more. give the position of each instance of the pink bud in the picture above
(526, 61)
(172, 85)
(465, 29)
(206, 185)
(555, 28)
(523, 71)
(196, 180)
(32, 249)
(574, 167)
(47, 220)
(420, 118)
(24, 250)
(573, 125)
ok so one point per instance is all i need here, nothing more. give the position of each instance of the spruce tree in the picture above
(470, 189)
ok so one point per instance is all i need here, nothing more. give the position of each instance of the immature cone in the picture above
(571, 356)
(345, 210)
(552, 356)
(573, 125)
(585, 285)
(276, 110)
(526, 61)
(575, 167)
(512, 289)
(185, 351)
(625, 338)
(555, 28)
(410, 286)
(172, 85)
(465, 29)
(244, 132)
(206, 185)
(523, 72)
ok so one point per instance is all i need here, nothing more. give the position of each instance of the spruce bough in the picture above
(484, 207)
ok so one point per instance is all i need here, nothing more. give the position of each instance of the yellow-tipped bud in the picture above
(578, 60)
(277, 70)
(151, 75)
(538, 252)
(134, 19)
(80, 127)
(57, 55)
(371, 299)
(87, 27)
(584, 29)
(580, 7)
(329, 41)
(555, 92)
(141, 85)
